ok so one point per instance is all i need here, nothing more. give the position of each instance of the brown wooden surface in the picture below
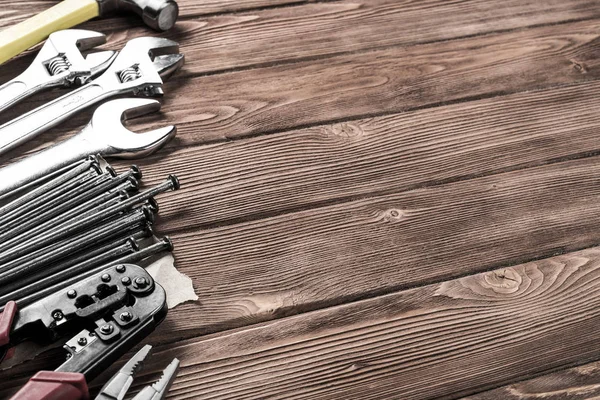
(578, 383)
(363, 164)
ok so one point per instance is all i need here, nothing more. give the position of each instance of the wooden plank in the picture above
(281, 98)
(12, 12)
(274, 174)
(386, 81)
(259, 270)
(440, 341)
(576, 383)
(323, 29)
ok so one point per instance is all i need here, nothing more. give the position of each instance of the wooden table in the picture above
(381, 199)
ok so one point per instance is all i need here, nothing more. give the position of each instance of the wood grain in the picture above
(576, 383)
(272, 36)
(275, 174)
(13, 12)
(441, 341)
(386, 81)
(277, 266)
(344, 162)
(280, 98)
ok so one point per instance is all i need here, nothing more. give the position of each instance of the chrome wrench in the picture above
(59, 63)
(138, 69)
(104, 135)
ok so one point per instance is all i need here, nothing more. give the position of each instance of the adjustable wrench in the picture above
(59, 63)
(139, 69)
(104, 135)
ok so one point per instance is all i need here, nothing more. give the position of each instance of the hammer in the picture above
(158, 14)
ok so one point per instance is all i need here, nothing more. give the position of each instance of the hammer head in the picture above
(160, 15)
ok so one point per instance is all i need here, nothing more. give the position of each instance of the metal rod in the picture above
(99, 256)
(62, 204)
(30, 229)
(70, 172)
(72, 227)
(50, 204)
(34, 260)
(42, 198)
(164, 245)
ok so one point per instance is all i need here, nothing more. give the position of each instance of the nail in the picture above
(72, 227)
(68, 201)
(12, 208)
(34, 260)
(164, 245)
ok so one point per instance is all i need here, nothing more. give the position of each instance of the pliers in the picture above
(116, 388)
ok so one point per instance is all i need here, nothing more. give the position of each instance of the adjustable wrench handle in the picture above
(29, 125)
(12, 92)
(33, 79)
(50, 160)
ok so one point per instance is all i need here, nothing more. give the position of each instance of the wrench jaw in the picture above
(120, 142)
(98, 63)
(143, 144)
(168, 64)
(61, 62)
(141, 66)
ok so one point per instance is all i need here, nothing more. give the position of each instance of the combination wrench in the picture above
(138, 69)
(59, 63)
(105, 135)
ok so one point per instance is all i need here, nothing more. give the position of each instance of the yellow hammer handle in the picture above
(64, 15)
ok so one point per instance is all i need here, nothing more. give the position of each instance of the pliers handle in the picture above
(52, 385)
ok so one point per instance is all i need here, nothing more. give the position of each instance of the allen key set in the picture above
(72, 229)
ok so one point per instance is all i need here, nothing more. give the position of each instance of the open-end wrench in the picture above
(104, 135)
(139, 69)
(59, 63)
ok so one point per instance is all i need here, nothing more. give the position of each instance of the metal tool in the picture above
(59, 63)
(50, 184)
(104, 135)
(116, 227)
(69, 228)
(139, 69)
(158, 14)
(116, 388)
(112, 311)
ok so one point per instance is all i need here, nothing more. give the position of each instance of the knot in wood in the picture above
(347, 131)
(393, 215)
(504, 281)
(579, 67)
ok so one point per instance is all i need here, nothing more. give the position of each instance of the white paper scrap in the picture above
(178, 286)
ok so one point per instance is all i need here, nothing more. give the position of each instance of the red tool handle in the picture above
(6, 320)
(51, 385)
